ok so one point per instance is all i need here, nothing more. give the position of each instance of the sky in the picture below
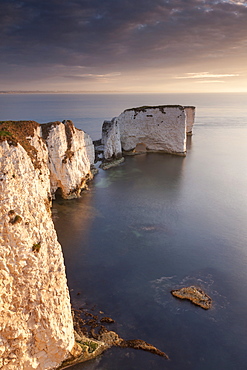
(151, 46)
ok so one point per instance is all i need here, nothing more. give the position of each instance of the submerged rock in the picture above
(93, 338)
(109, 164)
(195, 295)
(141, 344)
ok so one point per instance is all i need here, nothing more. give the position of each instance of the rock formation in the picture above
(94, 338)
(190, 118)
(71, 154)
(149, 128)
(195, 295)
(111, 139)
(36, 326)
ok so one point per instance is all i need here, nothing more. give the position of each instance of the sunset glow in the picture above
(140, 46)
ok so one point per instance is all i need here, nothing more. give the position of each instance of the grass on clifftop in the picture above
(15, 132)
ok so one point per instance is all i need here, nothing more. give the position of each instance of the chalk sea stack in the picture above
(162, 128)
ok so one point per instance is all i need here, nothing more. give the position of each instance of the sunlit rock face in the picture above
(111, 139)
(36, 325)
(159, 128)
(155, 129)
(190, 118)
(71, 154)
(36, 328)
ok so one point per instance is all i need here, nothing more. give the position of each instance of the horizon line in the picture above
(109, 92)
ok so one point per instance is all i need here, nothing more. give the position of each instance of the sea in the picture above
(155, 223)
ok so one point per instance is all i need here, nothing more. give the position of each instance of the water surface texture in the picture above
(159, 222)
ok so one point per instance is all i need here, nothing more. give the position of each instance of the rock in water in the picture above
(195, 295)
(141, 344)
(144, 129)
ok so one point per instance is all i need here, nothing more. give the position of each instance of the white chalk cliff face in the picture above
(160, 128)
(111, 139)
(36, 326)
(71, 154)
(190, 118)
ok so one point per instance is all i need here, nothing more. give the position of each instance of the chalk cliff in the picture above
(149, 128)
(71, 154)
(36, 326)
(190, 118)
(111, 139)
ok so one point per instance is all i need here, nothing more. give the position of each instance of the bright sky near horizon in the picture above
(124, 45)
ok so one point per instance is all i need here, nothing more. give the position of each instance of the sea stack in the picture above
(148, 129)
(190, 118)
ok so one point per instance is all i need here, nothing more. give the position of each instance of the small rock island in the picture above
(195, 295)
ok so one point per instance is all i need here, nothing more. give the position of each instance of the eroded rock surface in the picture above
(36, 327)
(111, 139)
(195, 295)
(94, 338)
(148, 129)
(190, 118)
(36, 324)
(71, 155)
(159, 128)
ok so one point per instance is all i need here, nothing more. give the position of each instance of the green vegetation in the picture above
(144, 108)
(5, 134)
(89, 345)
(15, 220)
(36, 247)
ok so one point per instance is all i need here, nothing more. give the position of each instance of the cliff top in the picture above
(160, 107)
(15, 132)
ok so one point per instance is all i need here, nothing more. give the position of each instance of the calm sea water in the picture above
(156, 223)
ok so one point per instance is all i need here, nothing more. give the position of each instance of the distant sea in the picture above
(155, 223)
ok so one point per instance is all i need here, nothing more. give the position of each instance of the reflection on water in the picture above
(159, 222)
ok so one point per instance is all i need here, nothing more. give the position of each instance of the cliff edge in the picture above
(36, 325)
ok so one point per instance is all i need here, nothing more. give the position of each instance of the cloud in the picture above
(107, 77)
(209, 82)
(91, 75)
(204, 75)
(113, 35)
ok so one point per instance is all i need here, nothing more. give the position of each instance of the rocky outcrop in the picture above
(111, 139)
(94, 338)
(190, 118)
(71, 155)
(36, 325)
(148, 129)
(195, 295)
